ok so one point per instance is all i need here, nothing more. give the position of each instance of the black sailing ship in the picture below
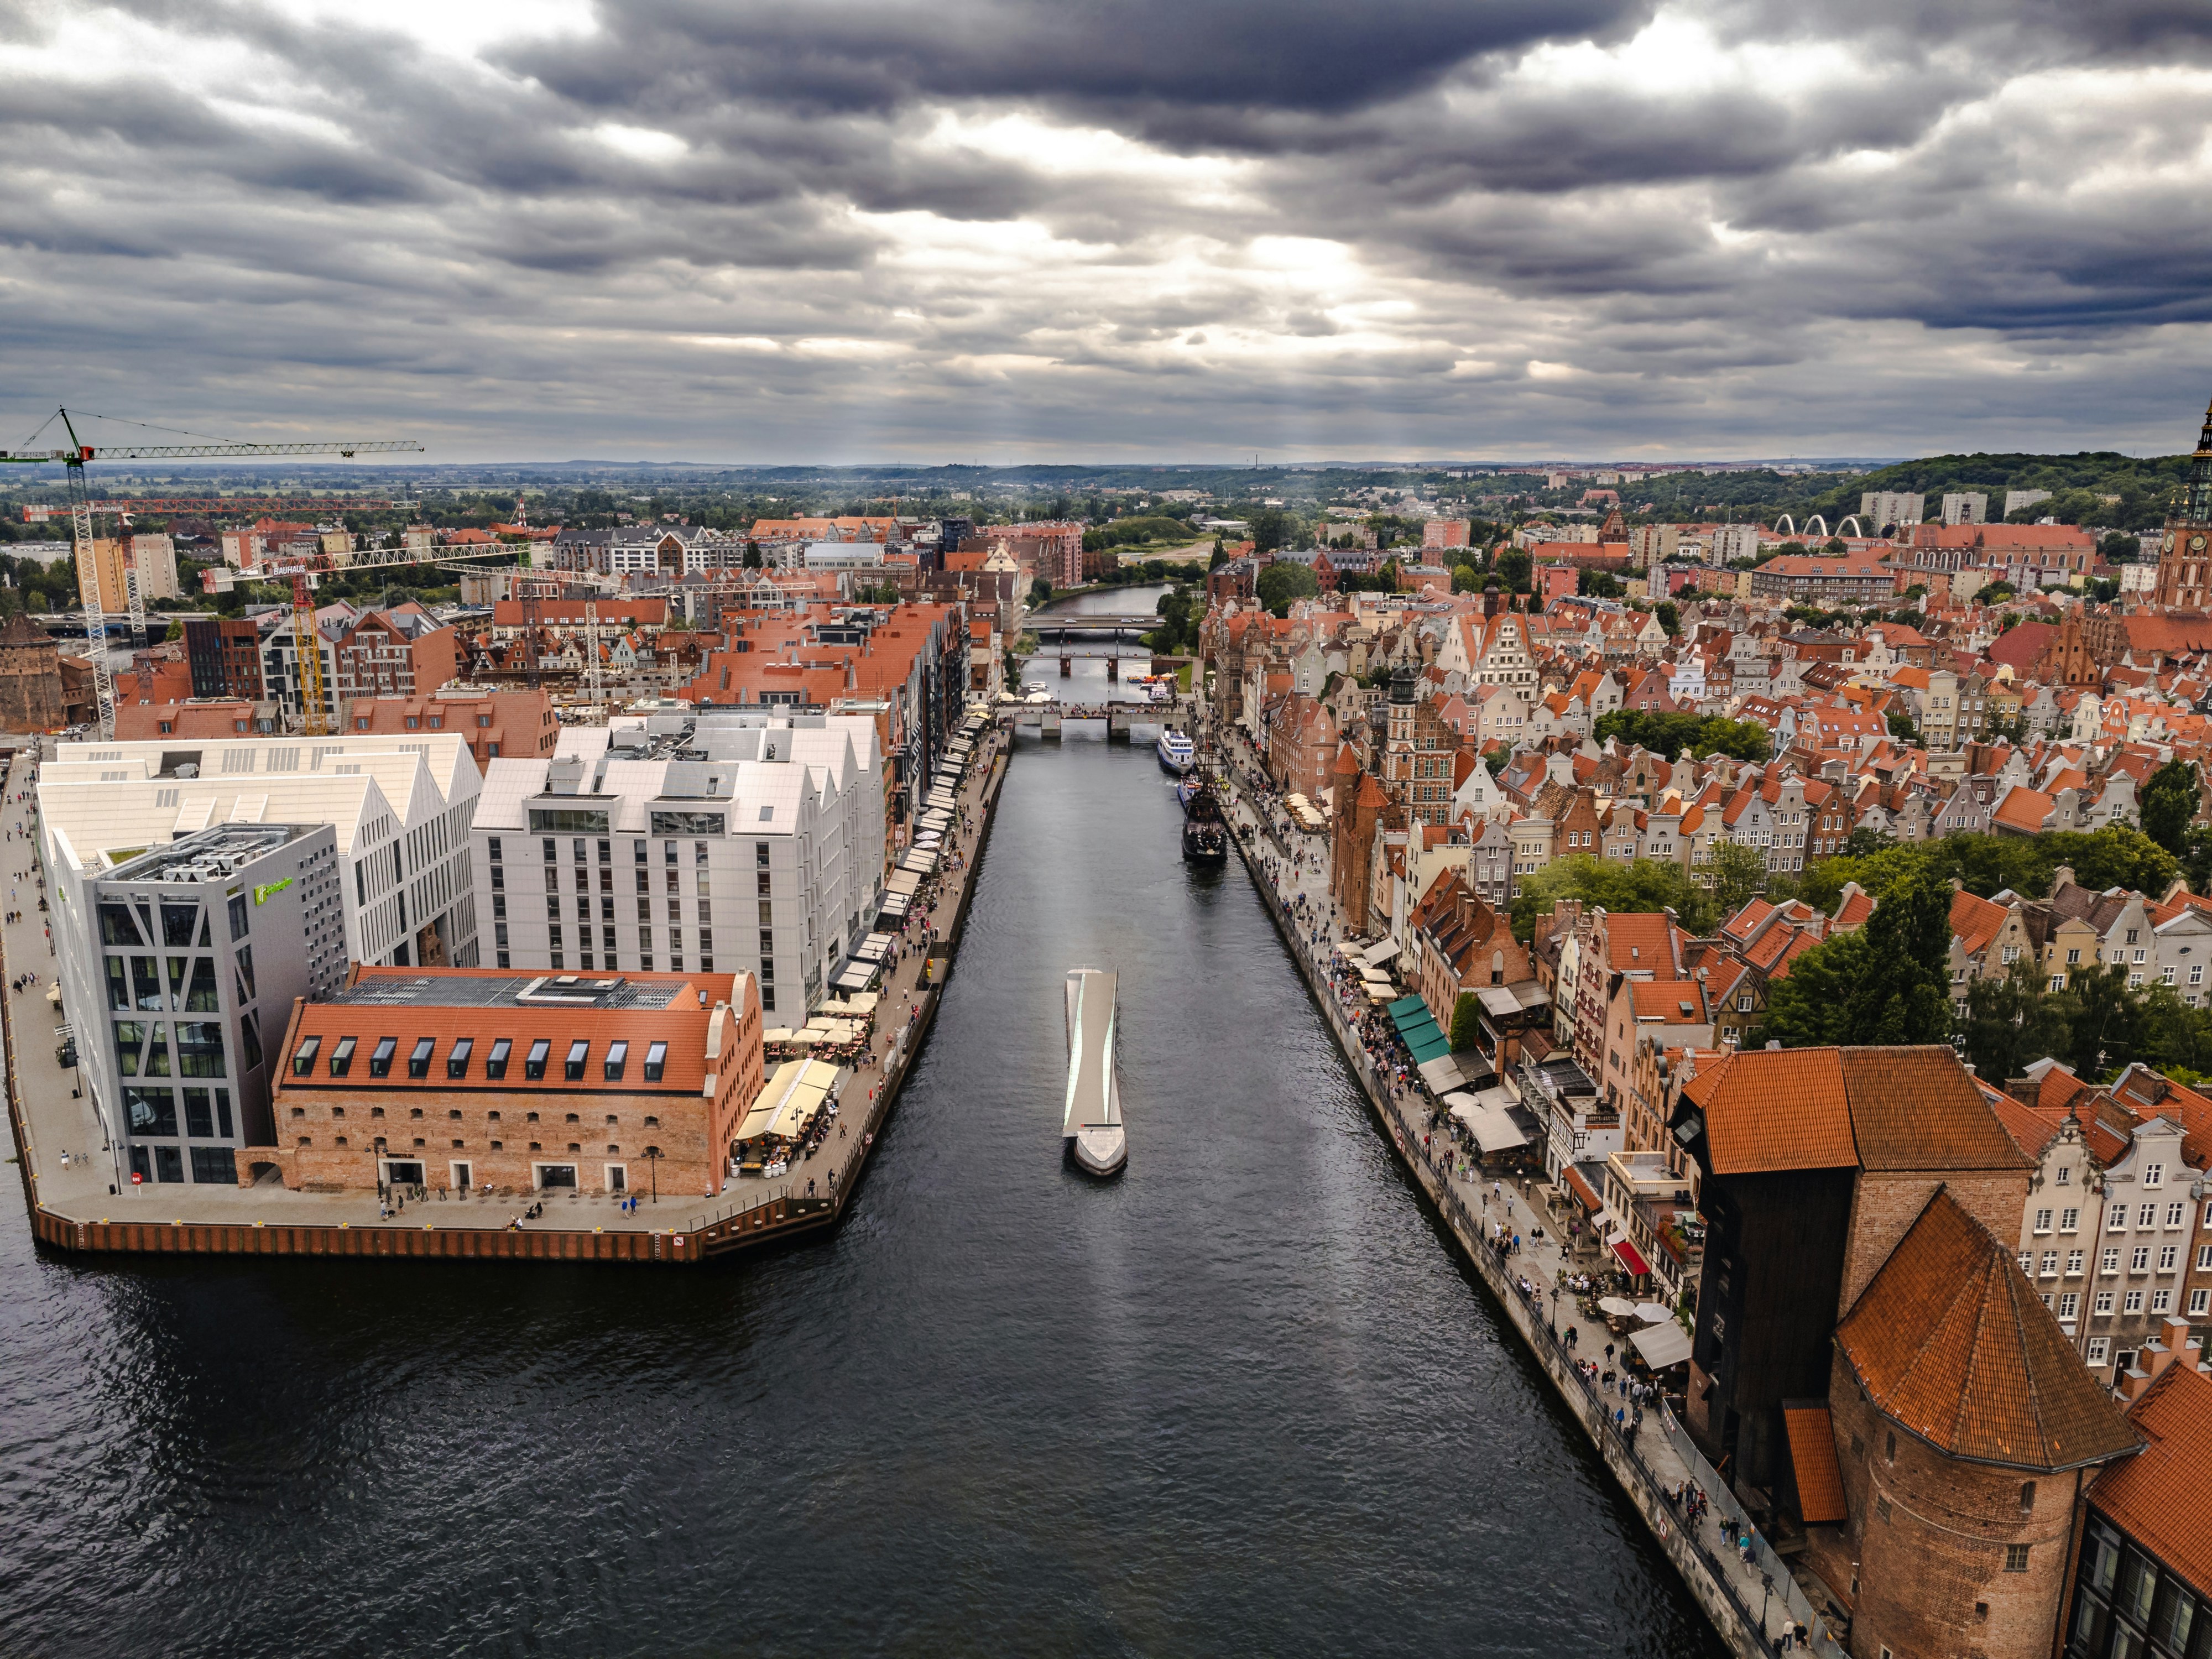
(1204, 835)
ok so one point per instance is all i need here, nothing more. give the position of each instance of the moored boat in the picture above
(1176, 750)
(1205, 836)
(1092, 1127)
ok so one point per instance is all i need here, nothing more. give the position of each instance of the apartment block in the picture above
(722, 841)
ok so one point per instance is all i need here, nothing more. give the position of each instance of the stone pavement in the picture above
(1294, 864)
(95, 1186)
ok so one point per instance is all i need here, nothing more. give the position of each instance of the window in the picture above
(617, 1053)
(418, 1060)
(2109, 1263)
(495, 1062)
(2051, 1264)
(656, 1062)
(2099, 1347)
(2016, 1556)
(2072, 1262)
(2070, 1303)
(533, 1063)
(456, 1057)
(2133, 1304)
(2154, 1175)
(342, 1057)
(2103, 1306)
(491, 845)
(2160, 1301)
(380, 1059)
(2139, 1259)
(2177, 1215)
(2069, 1220)
(2118, 1223)
(572, 1069)
(303, 1057)
(2200, 1304)
(2166, 1258)
(2043, 1221)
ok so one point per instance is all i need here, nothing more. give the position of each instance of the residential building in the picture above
(468, 1079)
(395, 653)
(224, 653)
(1966, 507)
(495, 724)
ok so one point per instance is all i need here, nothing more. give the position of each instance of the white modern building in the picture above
(400, 806)
(1966, 507)
(1880, 507)
(723, 841)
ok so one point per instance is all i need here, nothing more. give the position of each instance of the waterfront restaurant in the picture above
(472, 1078)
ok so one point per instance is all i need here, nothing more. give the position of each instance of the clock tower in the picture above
(2185, 554)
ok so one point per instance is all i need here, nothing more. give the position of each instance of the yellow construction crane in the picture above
(75, 457)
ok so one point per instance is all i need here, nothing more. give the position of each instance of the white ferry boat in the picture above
(1093, 1125)
(1176, 750)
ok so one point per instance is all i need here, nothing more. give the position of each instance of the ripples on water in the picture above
(1241, 1401)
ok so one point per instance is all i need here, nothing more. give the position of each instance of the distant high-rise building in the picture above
(1966, 507)
(1881, 508)
(2184, 553)
(2016, 499)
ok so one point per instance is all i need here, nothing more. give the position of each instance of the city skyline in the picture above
(868, 234)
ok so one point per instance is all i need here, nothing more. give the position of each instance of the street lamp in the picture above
(653, 1163)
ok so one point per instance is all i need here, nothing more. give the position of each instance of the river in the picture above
(1240, 1401)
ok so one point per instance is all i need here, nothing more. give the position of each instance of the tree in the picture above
(1270, 526)
(1670, 617)
(2168, 802)
(1465, 1023)
(1282, 581)
(2012, 1021)
(1739, 876)
(752, 556)
(1466, 579)
(1640, 887)
(1902, 993)
(1901, 726)
(1220, 556)
(1514, 566)
(1805, 1008)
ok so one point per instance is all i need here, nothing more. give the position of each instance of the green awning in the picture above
(1434, 1048)
(1408, 1005)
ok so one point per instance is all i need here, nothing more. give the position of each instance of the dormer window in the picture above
(656, 1062)
(572, 1069)
(495, 1062)
(456, 1057)
(342, 1057)
(533, 1064)
(618, 1054)
(418, 1061)
(303, 1058)
(380, 1059)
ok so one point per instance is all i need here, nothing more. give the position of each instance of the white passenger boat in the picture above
(1176, 750)
(1092, 1126)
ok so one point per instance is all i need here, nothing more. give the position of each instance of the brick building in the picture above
(223, 655)
(495, 725)
(468, 1077)
(30, 678)
(395, 653)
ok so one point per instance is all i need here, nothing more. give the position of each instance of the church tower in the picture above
(2185, 554)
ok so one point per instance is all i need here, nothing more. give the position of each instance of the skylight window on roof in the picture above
(495, 1062)
(380, 1059)
(572, 1069)
(342, 1057)
(418, 1060)
(533, 1064)
(656, 1062)
(303, 1057)
(617, 1053)
(456, 1057)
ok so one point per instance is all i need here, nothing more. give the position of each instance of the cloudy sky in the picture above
(1171, 229)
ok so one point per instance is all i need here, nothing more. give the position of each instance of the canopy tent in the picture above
(1630, 1257)
(1379, 993)
(901, 883)
(1376, 955)
(1424, 1052)
(1441, 1075)
(1489, 1122)
(1663, 1346)
(1652, 1312)
(921, 860)
(872, 948)
(1374, 976)
(858, 1007)
(895, 906)
(779, 1034)
(1411, 1019)
(788, 1099)
(856, 976)
(1408, 1004)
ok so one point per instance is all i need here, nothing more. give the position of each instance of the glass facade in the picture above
(2127, 1606)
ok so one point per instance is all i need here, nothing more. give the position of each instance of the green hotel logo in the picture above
(262, 892)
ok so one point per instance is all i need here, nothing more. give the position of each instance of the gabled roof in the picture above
(1951, 1343)
(1771, 1109)
(2161, 1497)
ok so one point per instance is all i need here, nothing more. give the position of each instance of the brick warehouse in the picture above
(476, 1077)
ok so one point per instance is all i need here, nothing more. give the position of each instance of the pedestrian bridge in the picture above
(1114, 721)
(1098, 623)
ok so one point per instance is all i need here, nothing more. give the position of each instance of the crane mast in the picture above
(73, 459)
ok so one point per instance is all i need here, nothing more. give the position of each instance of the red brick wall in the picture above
(1931, 1577)
(1885, 1206)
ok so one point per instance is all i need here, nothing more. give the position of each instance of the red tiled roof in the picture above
(1828, 1108)
(2160, 1498)
(1950, 1342)
(1813, 1456)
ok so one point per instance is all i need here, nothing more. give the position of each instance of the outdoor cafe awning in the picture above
(856, 976)
(896, 905)
(1434, 1048)
(1441, 1075)
(790, 1098)
(1661, 1345)
(1376, 955)
(859, 1006)
(901, 883)
(1407, 1004)
(1488, 1121)
(1630, 1257)
(871, 949)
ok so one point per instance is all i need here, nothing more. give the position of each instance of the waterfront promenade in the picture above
(1744, 1587)
(51, 1121)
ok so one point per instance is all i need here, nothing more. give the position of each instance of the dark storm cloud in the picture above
(853, 227)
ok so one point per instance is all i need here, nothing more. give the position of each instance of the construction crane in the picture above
(81, 511)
